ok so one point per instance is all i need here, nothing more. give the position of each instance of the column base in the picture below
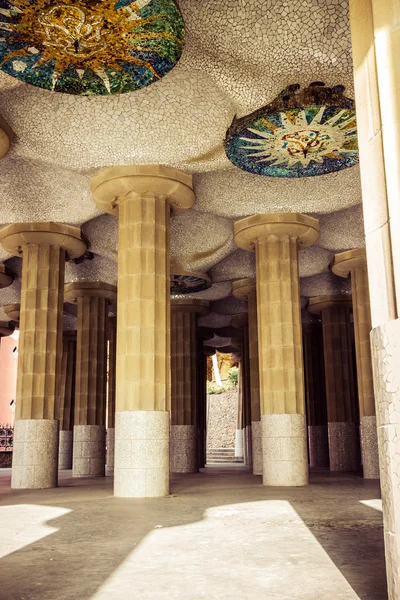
(369, 447)
(35, 454)
(284, 444)
(110, 439)
(141, 468)
(183, 457)
(257, 447)
(343, 447)
(239, 443)
(318, 446)
(65, 451)
(89, 451)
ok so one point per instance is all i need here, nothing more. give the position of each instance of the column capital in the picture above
(13, 311)
(320, 303)
(6, 329)
(5, 278)
(250, 229)
(112, 184)
(15, 237)
(81, 289)
(193, 305)
(243, 288)
(239, 321)
(6, 137)
(345, 262)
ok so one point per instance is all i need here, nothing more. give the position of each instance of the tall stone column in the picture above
(43, 247)
(112, 380)
(245, 289)
(143, 196)
(89, 446)
(314, 376)
(339, 380)
(354, 263)
(202, 334)
(276, 239)
(184, 384)
(67, 399)
(240, 322)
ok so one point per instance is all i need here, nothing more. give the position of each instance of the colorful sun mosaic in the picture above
(90, 47)
(300, 134)
(189, 284)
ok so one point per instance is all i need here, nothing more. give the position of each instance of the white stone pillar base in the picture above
(343, 447)
(35, 454)
(65, 450)
(369, 447)
(257, 447)
(239, 443)
(183, 457)
(284, 443)
(318, 446)
(249, 450)
(89, 451)
(110, 438)
(141, 468)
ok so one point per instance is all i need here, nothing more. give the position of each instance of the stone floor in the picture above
(220, 535)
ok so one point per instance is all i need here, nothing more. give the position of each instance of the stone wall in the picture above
(221, 419)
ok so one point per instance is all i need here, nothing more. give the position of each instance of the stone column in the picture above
(112, 365)
(142, 196)
(354, 263)
(13, 311)
(43, 247)
(240, 322)
(89, 445)
(184, 384)
(276, 239)
(67, 397)
(339, 380)
(245, 289)
(314, 376)
(5, 278)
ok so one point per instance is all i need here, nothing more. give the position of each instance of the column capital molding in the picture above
(343, 263)
(243, 288)
(113, 184)
(320, 303)
(85, 289)
(193, 305)
(15, 237)
(6, 329)
(302, 227)
(6, 137)
(13, 311)
(5, 278)
(239, 321)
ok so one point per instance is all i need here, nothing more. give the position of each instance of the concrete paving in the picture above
(219, 535)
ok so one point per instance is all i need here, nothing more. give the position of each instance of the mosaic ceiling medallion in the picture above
(90, 47)
(302, 133)
(189, 283)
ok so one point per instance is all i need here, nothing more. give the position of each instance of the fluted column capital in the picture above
(319, 303)
(5, 278)
(345, 262)
(15, 237)
(295, 225)
(87, 289)
(13, 311)
(193, 305)
(112, 185)
(243, 288)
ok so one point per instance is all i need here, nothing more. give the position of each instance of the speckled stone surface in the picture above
(65, 450)
(318, 446)
(35, 454)
(110, 447)
(89, 451)
(183, 452)
(343, 447)
(257, 447)
(284, 443)
(141, 462)
(369, 447)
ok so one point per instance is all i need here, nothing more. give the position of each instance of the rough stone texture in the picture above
(257, 447)
(221, 419)
(35, 454)
(369, 447)
(65, 450)
(89, 450)
(183, 451)
(318, 447)
(110, 447)
(343, 446)
(141, 454)
(284, 446)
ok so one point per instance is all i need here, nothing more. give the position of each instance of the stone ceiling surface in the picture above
(238, 56)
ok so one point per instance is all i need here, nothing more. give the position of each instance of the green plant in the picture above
(233, 375)
(213, 388)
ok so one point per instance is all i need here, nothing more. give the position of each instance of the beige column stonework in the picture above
(112, 379)
(354, 263)
(143, 196)
(43, 247)
(89, 446)
(13, 311)
(276, 239)
(339, 380)
(67, 398)
(184, 384)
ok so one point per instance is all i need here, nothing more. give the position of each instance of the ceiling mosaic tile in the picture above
(188, 284)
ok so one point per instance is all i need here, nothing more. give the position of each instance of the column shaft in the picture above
(254, 385)
(112, 365)
(67, 407)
